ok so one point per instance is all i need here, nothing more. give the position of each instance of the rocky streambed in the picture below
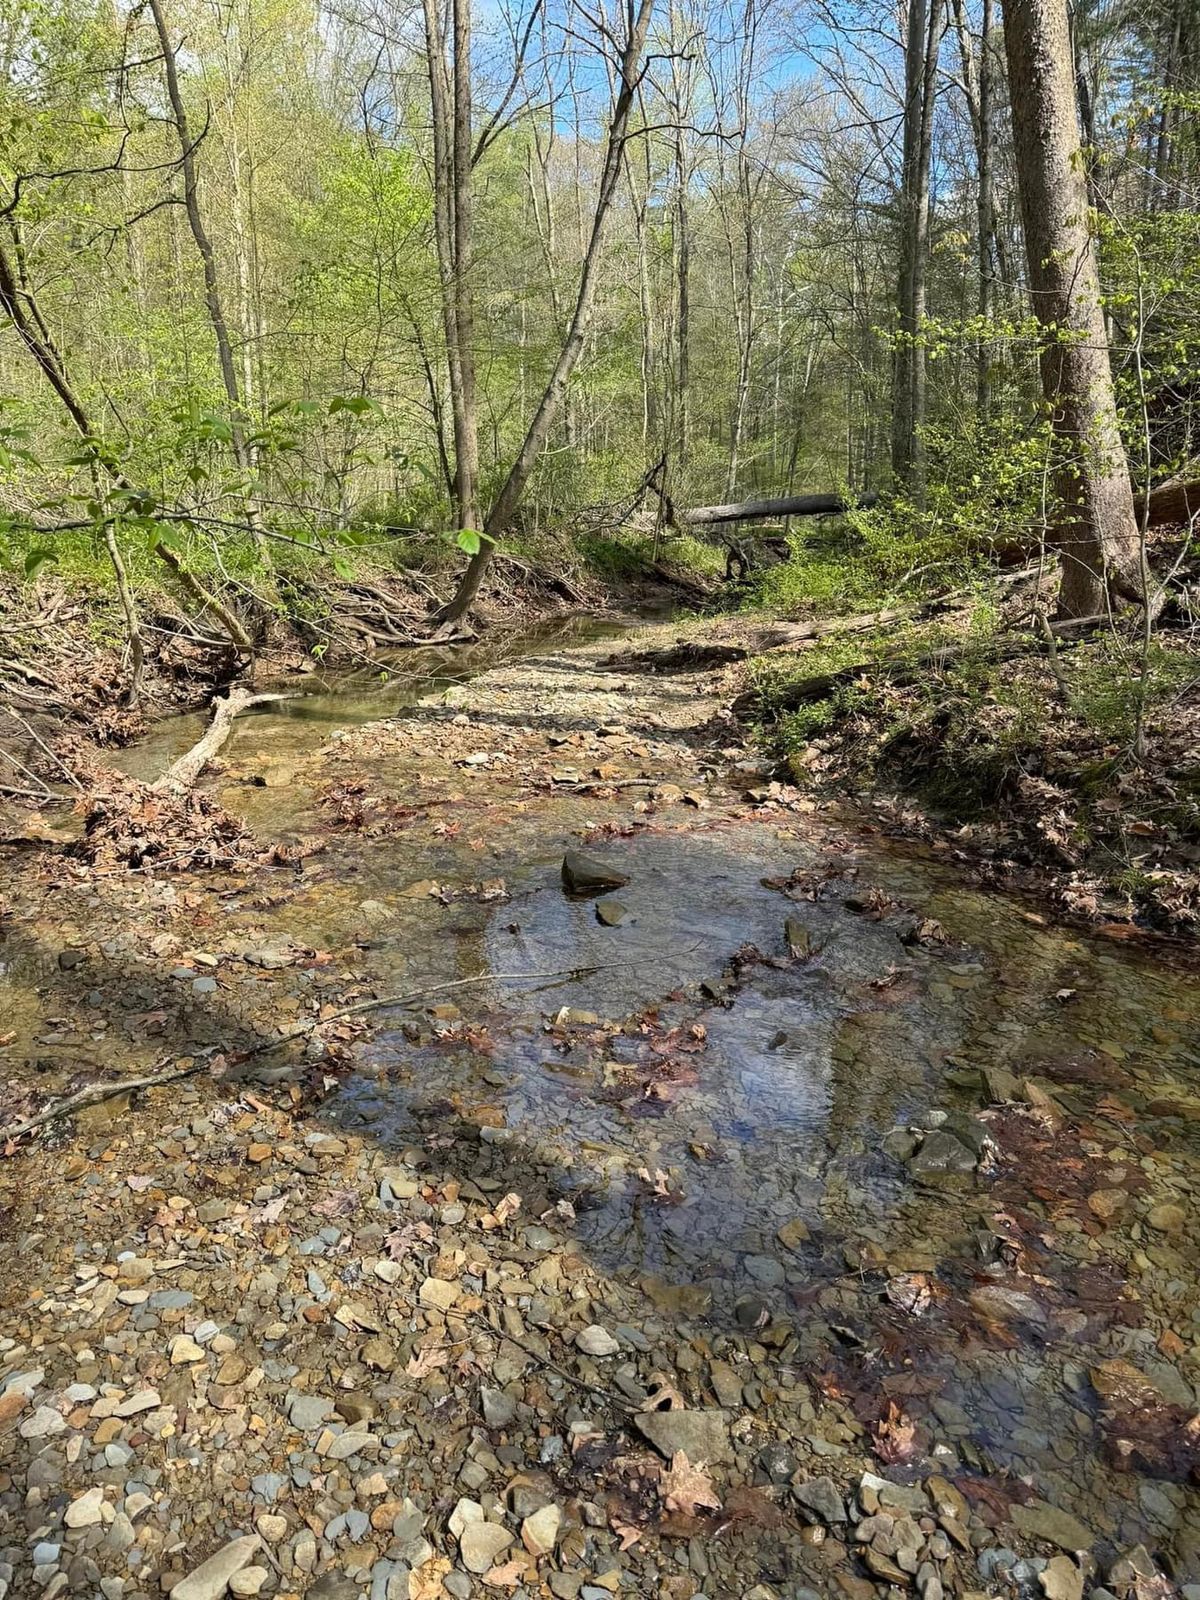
(750, 1209)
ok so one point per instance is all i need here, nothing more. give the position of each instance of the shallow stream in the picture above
(720, 1129)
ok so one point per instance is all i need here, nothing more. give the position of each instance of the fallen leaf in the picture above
(686, 1488)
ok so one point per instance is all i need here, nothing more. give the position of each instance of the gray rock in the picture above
(498, 1408)
(211, 1578)
(1041, 1521)
(308, 1411)
(596, 1341)
(610, 913)
(822, 1498)
(941, 1153)
(703, 1436)
(584, 874)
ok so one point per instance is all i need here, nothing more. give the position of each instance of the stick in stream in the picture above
(182, 774)
(95, 1093)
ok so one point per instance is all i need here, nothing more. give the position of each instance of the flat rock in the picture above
(211, 1578)
(1041, 1521)
(942, 1152)
(539, 1532)
(703, 1436)
(85, 1511)
(822, 1497)
(596, 1341)
(584, 874)
(481, 1545)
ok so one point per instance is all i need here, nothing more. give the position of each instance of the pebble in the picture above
(597, 1341)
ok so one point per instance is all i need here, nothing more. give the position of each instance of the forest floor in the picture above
(787, 1216)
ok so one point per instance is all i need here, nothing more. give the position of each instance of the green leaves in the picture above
(36, 559)
(471, 541)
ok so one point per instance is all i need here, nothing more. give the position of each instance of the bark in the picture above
(182, 774)
(1100, 551)
(923, 33)
(452, 235)
(977, 82)
(208, 260)
(799, 505)
(133, 626)
(551, 403)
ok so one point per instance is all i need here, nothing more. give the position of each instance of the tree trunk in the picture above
(1101, 552)
(208, 259)
(555, 391)
(923, 33)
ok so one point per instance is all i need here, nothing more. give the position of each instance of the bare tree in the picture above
(455, 130)
(923, 31)
(1100, 549)
(242, 451)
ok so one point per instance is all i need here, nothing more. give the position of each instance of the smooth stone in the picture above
(1042, 1521)
(597, 1341)
(85, 1511)
(211, 1578)
(583, 874)
(539, 1532)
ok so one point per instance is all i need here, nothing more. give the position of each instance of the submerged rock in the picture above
(583, 874)
(942, 1152)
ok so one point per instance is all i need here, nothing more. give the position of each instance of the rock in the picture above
(611, 913)
(1061, 1579)
(185, 1350)
(596, 1341)
(498, 1408)
(941, 1153)
(900, 1143)
(765, 1270)
(272, 1526)
(86, 1510)
(822, 1498)
(439, 1294)
(308, 1411)
(703, 1436)
(583, 874)
(1042, 1521)
(249, 1581)
(44, 1422)
(211, 1578)
(1167, 1218)
(794, 1233)
(481, 1545)
(797, 938)
(1001, 1084)
(1000, 1304)
(539, 1532)
(379, 1353)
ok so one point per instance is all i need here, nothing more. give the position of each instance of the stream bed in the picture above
(800, 1077)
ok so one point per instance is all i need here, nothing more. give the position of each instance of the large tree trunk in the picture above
(1101, 552)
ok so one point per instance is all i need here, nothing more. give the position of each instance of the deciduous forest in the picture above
(599, 799)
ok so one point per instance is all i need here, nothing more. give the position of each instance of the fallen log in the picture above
(182, 774)
(797, 505)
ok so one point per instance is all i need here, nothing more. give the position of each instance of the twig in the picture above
(97, 1092)
(93, 1095)
(398, 1000)
(42, 745)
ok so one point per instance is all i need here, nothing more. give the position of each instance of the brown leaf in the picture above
(686, 1488)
